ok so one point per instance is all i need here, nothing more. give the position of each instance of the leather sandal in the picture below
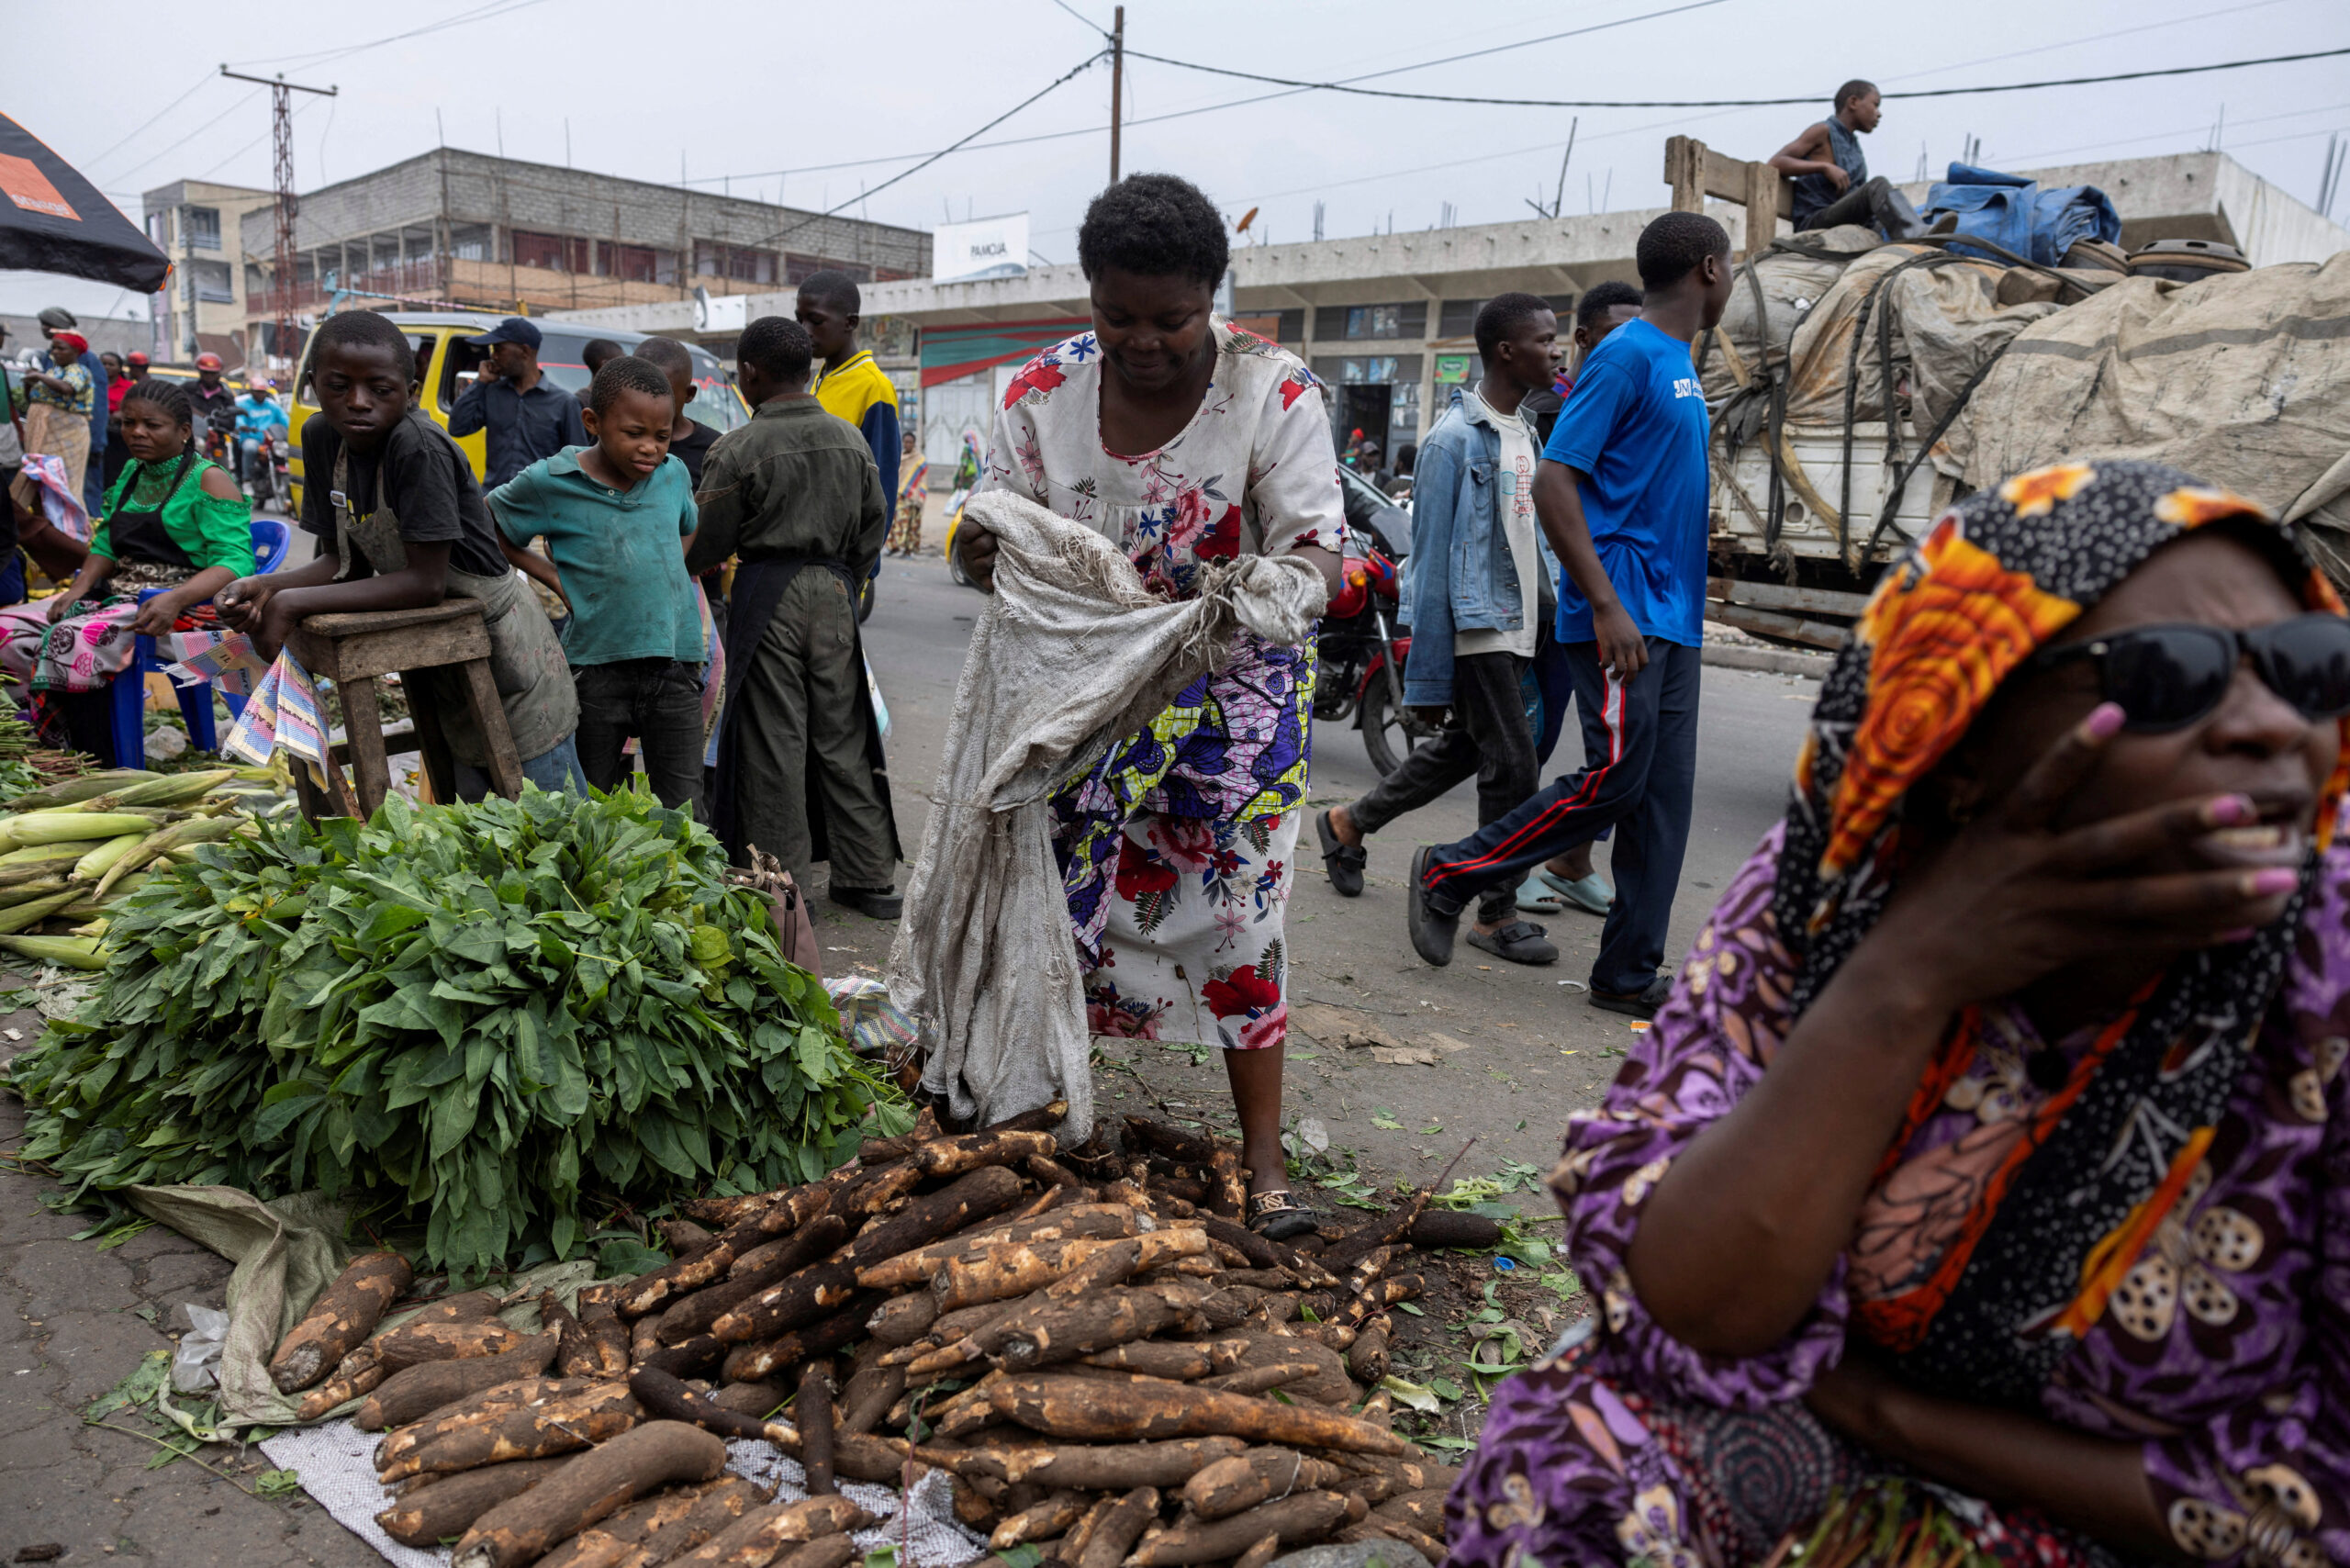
(1343, 861)
(1279, 1215)
(1520, 942)
(1639, 1004)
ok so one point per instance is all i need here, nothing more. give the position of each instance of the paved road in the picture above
(1517, 1082)
(75, 1320)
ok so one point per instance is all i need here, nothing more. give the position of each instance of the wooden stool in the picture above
(355, 651)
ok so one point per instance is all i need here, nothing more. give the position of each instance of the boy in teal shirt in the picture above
(615, 515)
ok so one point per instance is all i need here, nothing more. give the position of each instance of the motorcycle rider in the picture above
(258, 413)
(215, 409)
(1472, 602)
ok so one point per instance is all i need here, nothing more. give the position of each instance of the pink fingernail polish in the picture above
(2276, 880)
(2230, 810)
(2104, 721)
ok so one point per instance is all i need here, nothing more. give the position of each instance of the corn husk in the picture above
(66, 792)
(71, 952)
(27, 915)
(58, 827)
(99, 861)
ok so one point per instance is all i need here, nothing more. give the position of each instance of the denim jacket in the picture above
(1460, 574)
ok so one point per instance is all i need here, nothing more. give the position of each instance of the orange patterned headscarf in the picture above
(1996, 579)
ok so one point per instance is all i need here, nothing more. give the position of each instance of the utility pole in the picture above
(1117, 84)
(281, 94)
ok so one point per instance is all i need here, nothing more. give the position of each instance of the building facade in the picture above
(456, 230)
(201, 227)
(1387, 321)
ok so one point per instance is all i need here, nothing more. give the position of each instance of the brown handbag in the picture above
(786, 906)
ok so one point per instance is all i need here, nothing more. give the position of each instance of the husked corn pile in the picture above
(1109, 1368)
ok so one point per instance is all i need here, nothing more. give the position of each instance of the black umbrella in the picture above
(55, 221)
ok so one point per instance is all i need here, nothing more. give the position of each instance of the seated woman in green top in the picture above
(175, 523)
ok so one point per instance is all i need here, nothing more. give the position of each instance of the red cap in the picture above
(134, 357)
(208, 362)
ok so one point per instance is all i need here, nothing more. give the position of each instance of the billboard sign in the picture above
(987, 247)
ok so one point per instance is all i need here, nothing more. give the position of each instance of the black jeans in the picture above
(1876, 202)
(1640, 773)
(1486, 735)
(659, 702)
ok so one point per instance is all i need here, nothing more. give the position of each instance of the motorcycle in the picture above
(1359, 655)
(1359, 659)
(270, 472)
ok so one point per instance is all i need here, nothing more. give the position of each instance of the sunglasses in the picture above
(2167, 678)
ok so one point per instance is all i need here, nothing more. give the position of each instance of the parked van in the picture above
(445, 365)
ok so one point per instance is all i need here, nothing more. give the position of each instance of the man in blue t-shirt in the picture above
(1621, 496)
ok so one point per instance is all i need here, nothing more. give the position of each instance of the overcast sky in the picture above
(757, 98)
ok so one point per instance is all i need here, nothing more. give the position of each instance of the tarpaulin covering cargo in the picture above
(2242, 380)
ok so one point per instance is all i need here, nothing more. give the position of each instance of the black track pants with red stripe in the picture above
(1640, 775)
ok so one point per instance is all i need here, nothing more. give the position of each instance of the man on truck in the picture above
(1833, 181)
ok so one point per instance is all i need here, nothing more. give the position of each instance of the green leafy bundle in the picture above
(479, 1018)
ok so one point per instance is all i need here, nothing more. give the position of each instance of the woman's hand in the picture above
(156, 615)
(60, 605)
(975, 546)
(2033, 898)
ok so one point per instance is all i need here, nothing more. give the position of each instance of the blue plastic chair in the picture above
(127, 694)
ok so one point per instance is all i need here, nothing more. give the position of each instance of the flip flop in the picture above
(1279, 1215)
(1343, 861)
(1520, 942)
(1591, 894)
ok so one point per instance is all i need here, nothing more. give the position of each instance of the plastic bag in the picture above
(195, 1365)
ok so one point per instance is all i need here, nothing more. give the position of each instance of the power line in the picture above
(158, 115)
(1727, 103)
(191, 136)
(1201, 108)
(325, 56)
(1063, 79)
(2090, 37)
(1090, 24)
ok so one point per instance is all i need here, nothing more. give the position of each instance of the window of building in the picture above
(636, 263)
(555, 253)
(797, 269)
(159, 229)
(714, 258)
(469, 241)
(203, 228)
(1370, 323)
(213, 282)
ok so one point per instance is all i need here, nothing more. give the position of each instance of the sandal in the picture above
(1534, 896)
(1520, 942)
(1343, 861)
(1591, 894)
(1279, 1215)
(1639, 1004)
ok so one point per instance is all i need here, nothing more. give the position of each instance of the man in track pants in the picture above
(1621, 496)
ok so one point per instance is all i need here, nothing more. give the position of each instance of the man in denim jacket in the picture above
(1473, 590)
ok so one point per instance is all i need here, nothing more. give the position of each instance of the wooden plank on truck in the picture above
(1776, 595)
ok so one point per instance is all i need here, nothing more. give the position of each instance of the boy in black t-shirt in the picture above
(397, 502)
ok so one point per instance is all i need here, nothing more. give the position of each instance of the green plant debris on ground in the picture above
(468, 1022)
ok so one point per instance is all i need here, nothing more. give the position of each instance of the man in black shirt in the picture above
(527, 416)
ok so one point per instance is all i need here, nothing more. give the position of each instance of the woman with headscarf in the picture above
(1981, 1194)
(913, 489)
(57, 412)
(1188, 444)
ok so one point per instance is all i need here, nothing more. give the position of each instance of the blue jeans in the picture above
(555, 769)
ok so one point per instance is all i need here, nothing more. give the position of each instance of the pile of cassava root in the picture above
(1104, 1361)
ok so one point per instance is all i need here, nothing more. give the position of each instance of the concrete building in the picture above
(1386, 319)
(451, 228)
(201, 227)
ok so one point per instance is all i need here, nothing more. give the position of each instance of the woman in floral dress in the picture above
(1188, 442)
(1986, 1182)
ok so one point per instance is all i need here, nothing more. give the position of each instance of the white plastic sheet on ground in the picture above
(337, 1470)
